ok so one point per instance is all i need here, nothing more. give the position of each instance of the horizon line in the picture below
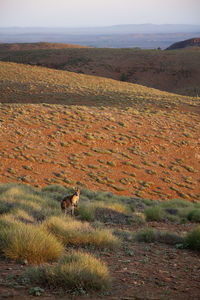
(105, 26)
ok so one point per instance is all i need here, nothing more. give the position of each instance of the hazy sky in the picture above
(83, 13)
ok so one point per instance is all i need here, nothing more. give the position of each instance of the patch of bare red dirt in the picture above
(153, 154)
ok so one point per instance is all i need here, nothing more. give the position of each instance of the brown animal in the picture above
(69, 202)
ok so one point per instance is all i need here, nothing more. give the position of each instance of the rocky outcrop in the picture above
(195, 42)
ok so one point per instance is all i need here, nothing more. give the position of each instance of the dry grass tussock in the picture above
(28, 242)
(73, 232)
(74, 271)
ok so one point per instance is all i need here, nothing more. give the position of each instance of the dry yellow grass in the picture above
(24, 83)
(73, 232)
(76, 271)
(27, 242)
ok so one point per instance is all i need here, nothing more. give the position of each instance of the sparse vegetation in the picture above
(75, 271)
(154, 214)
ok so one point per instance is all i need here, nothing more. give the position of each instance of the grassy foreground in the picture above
(34, 231)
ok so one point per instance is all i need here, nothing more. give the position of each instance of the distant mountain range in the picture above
(117, 36)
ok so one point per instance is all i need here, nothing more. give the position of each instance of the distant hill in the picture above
(36, 46)
(147, 36)
(172, 71)
(194, 42)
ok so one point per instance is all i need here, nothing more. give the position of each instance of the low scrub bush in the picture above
(145, 235)
(154, 214)
(25, 241)
(56, 191)
(4, 208)
(150, 235)
(75, 272)
(176, 203)
(194, 215)
(192, 239)
(86, 212)
(138, 219)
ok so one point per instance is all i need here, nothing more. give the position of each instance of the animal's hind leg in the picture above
(72, 211)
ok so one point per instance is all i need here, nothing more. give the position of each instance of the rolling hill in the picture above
(172, 71)
(102, 133)
(32, 84)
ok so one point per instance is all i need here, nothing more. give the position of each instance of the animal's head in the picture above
(76, 199)
(77, 192)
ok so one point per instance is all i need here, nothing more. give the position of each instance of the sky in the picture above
(88, 13)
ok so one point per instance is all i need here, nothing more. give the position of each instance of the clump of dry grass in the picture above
(73, 232)
(21, 242)
(87, 210)
(74, 271)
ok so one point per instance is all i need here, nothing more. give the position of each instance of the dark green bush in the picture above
(192, 239)
(154, 214)
(194, 215)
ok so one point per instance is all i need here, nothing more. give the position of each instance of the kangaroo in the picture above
(69, 202)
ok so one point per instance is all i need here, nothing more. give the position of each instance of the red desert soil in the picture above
(152, 155)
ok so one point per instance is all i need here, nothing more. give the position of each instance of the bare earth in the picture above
(150, 155)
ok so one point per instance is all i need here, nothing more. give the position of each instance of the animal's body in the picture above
(69, 202)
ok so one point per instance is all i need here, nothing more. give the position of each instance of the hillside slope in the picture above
(32, 84)
(173, 71)
(97, 132)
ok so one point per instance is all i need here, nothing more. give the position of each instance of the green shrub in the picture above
(74, 271)
(86, 212)
(173, 218)
(138, 219)
(4, 208)
(176, 203)
(150, 235)
(194, 215)
(54, 188)
(154, 214)
(145, 235)
(169, 238)
(25, 241)
(56, 191)
(148, 202)
(192, 239)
